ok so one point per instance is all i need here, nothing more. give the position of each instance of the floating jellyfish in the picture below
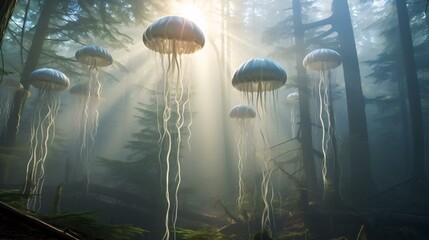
(8, 87)
(89, 93)
(172, 37)
(85, 126)
(243, 115)
(256, 78)
(293, 99)
(324, 60)
(48, 82)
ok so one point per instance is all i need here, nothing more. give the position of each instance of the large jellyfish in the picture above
(93, 57)
(293, 99)
(172, 37)
(49, 82)
(243, 115)
(256, 78)
(8, 87)
(324, 60)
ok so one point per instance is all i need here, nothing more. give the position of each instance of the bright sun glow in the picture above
(194, 13)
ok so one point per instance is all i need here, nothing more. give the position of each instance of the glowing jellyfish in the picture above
(256, 78)
(243, 115)
(293, 99)
(324, 60)
(89, 93)
(172, 37)
(48, 82)
(8, 87)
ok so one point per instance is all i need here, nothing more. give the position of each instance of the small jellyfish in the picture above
(85, 124)
(8, 87)
(89, 93)
(293, 100)
(324, 60)
(48, 82)
(173, 37)
(256, 78)
(243, 114)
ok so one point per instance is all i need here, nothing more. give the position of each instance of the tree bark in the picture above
(9, 138)
(6, 10)
(361, 183)
(304, 106)
(412, 88)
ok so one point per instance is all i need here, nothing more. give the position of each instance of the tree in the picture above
(69, 22)
(6, 10)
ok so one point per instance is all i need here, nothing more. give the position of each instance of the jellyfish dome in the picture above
(49, 79)
(322, 59)
(242, 112)
(82, 90)
(48, 82)
(94, 56)
(259, 74)
(174, 35)
(293, 97)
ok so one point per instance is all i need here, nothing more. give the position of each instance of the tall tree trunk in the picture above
(8, 139)
(304, 106)
(225, 100)
(412, 88)
(32, 59)
(6, 10)
(361, 183)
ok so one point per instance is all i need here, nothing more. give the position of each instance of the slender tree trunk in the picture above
(225, 102)
(304, 106)
(32, 59)
(8, 139)
(361, 183)
(6, 10)
(412, 88)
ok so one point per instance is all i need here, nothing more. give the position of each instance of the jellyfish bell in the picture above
(49, 79)
(293, 97)
(322, 59)
(48, 82)
(82, 90)
(93, 55)
(258, 76)
(174, 35)
(242, 112)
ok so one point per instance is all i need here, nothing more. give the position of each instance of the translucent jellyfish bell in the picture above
(174, 35)
(82, 90)
(293, 97)
(322, 59)
(259, 75)
(49, 79)
(49, 82)
(242, 112)
(94, 56)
